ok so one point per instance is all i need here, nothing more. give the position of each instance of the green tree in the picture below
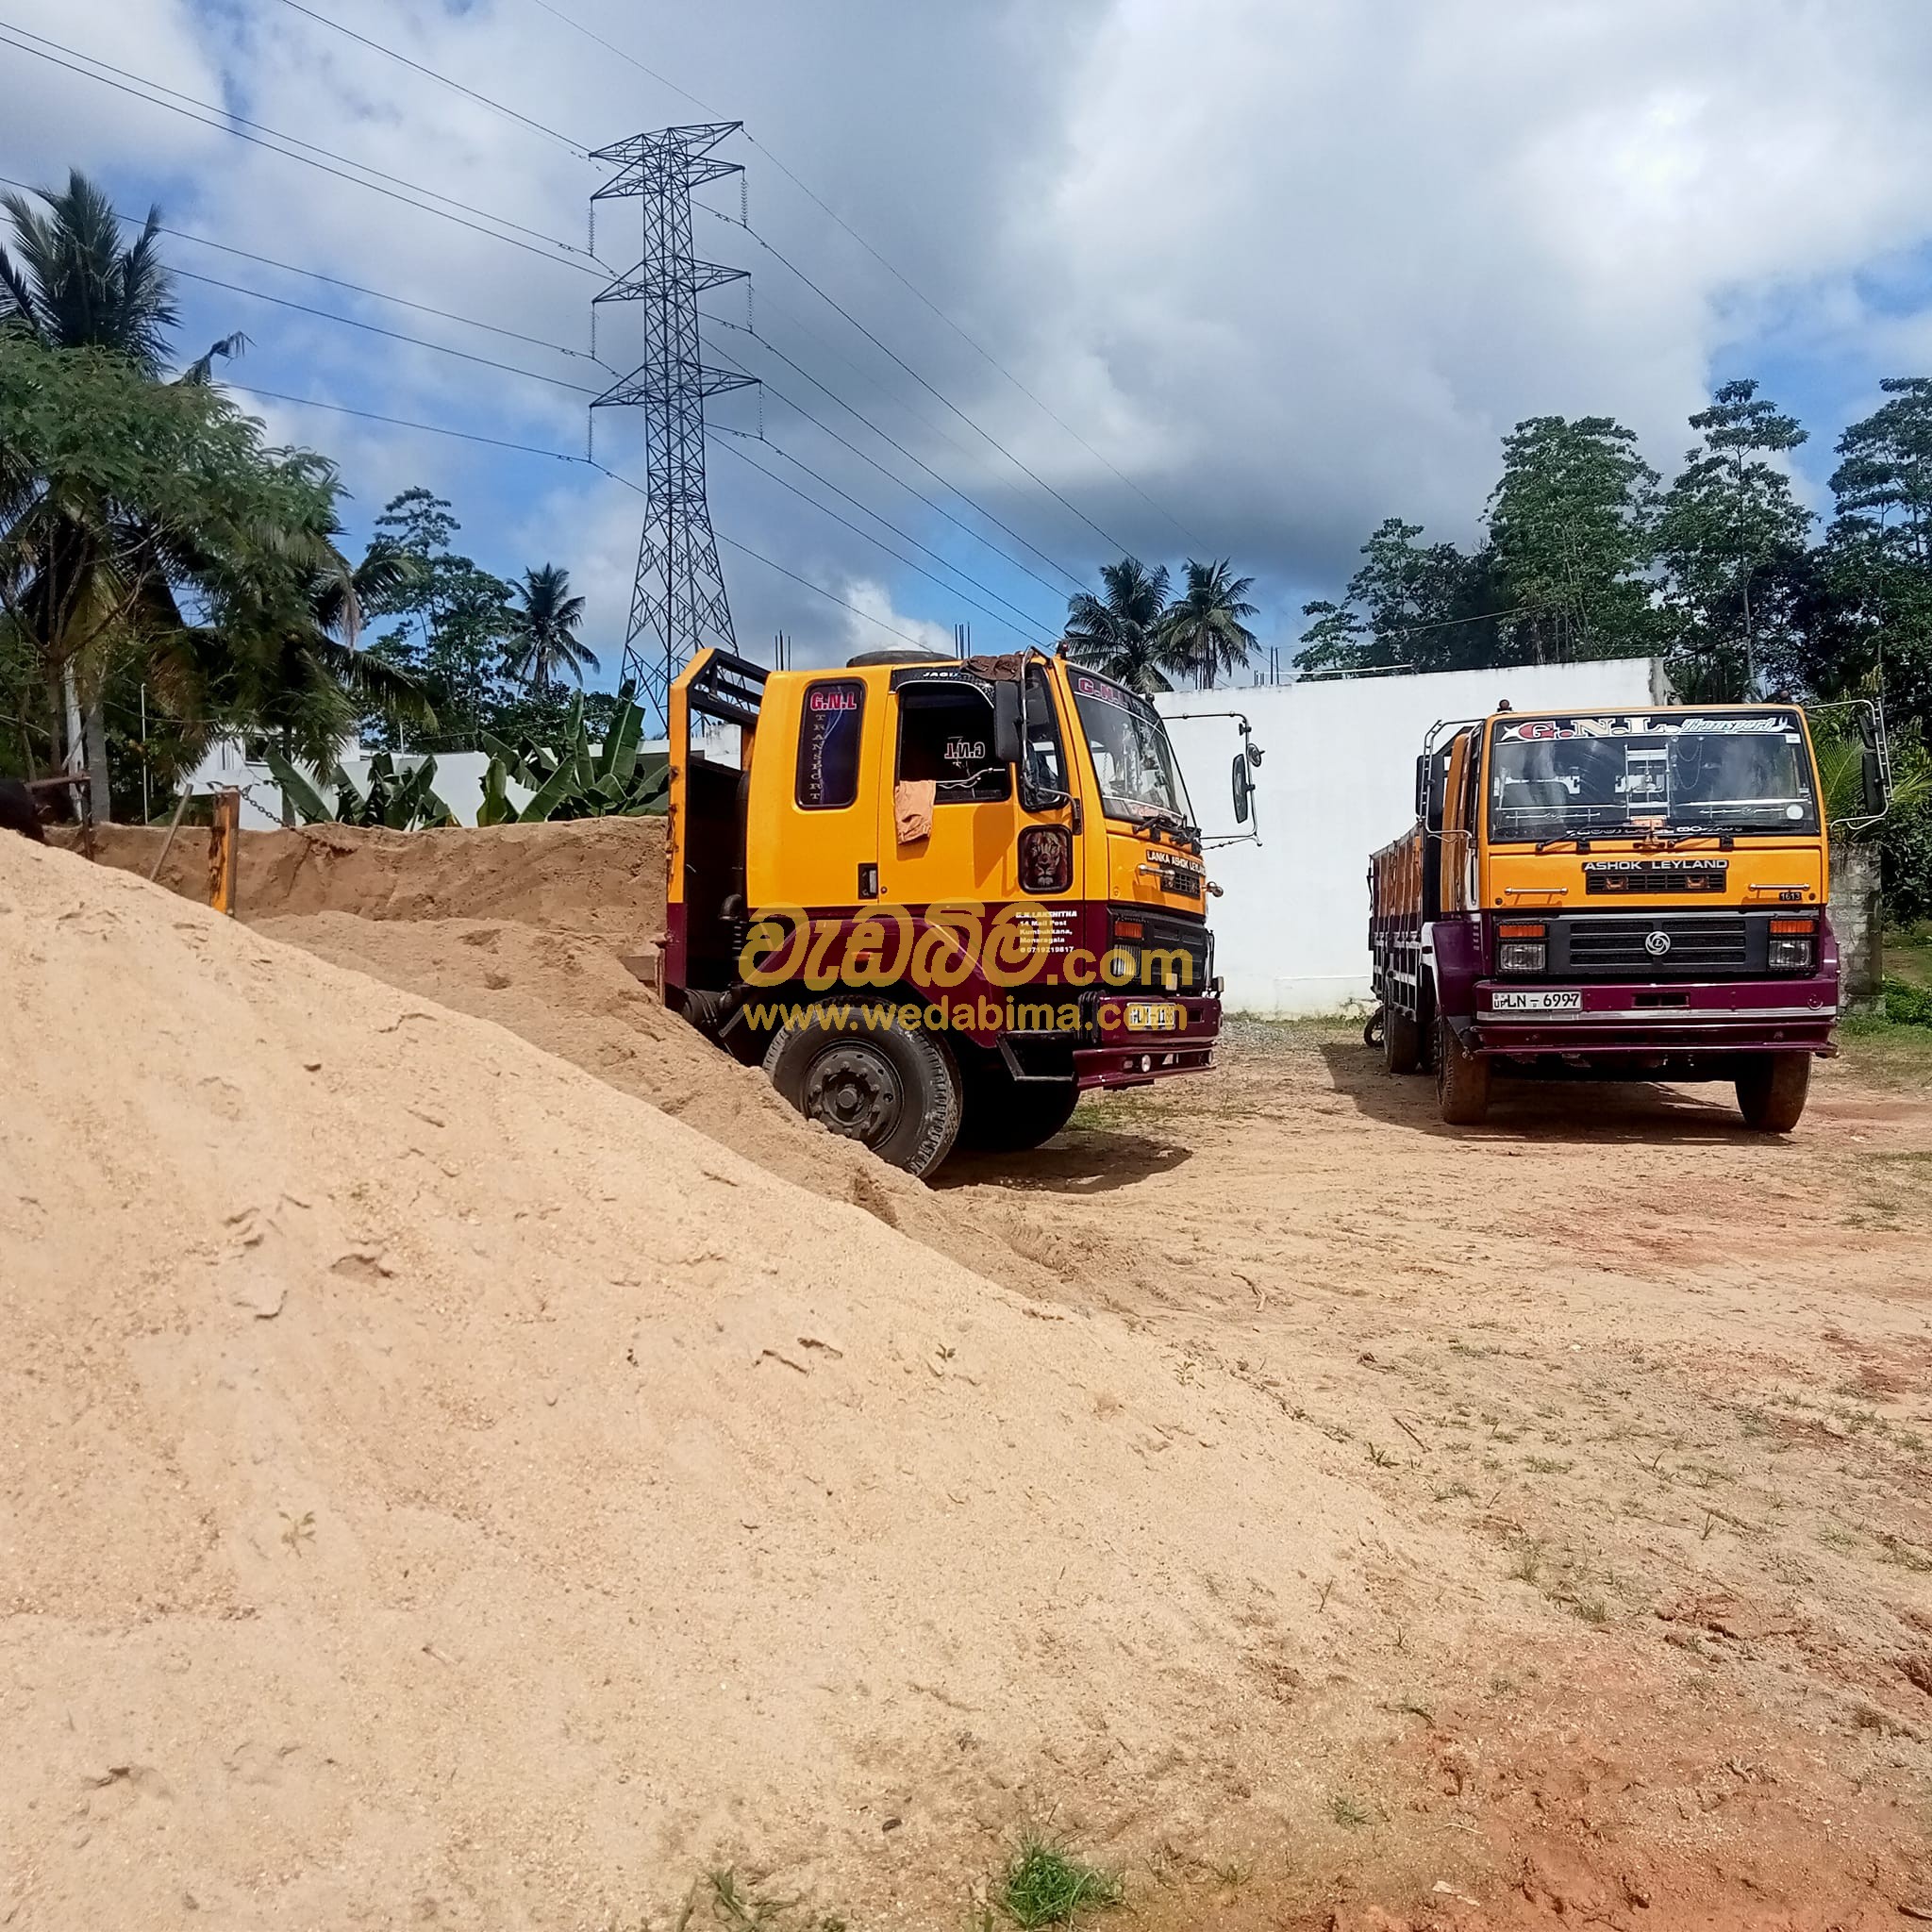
(1731, 538)
(120, 497)
(1868, 613)
(454, 624)
(1118, 633)
(1203, 632)
(543, 631)
(1571, 521)
(68, 284)
(304, 682)
(1427, 605)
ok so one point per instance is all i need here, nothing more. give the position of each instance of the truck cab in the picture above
(936, 899)
(1637, 895)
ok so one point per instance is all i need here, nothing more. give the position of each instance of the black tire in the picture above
(1402, 1042)
(1001, 1115)
(1463, 1080)
(893, 1089)
(1771, 1090)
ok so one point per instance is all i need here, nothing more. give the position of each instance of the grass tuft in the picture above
(1046, 1885)
(1349, 1811)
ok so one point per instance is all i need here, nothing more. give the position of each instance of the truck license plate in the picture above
(1146, 1017)
(1536, 999)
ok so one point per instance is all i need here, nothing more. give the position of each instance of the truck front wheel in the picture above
(894, 1088)
(1002, 1115)
(1462, 1079)
(1771, 1090)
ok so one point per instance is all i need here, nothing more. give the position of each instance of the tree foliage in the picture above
(1731, 538)
(544, 620)
(1118, 633)
(1204, 633)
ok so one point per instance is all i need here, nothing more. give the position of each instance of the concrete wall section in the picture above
(1338, 780)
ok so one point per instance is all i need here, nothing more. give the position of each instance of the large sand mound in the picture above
(601, 876)
(528, 925)
(572, 997)
(440, 1488)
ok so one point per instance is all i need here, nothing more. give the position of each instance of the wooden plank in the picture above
(224, 850)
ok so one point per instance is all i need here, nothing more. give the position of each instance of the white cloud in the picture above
(1289, 265)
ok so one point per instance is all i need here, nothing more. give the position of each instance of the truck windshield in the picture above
(1138, 778)
(1734, 771)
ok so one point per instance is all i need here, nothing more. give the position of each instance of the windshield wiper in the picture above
(1580, 840)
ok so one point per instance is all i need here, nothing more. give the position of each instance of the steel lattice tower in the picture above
(678, 604)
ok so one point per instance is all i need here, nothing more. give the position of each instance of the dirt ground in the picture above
(1633, 1626)
(1670, 1382)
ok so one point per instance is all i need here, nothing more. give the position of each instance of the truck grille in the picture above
(1617, 944)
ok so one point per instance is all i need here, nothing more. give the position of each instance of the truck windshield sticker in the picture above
(829, 735)
(1538, 731)
(1645, 772)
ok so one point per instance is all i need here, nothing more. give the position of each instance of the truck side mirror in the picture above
(1243, 788)
(1874, 773)
(1421, 785)
(1008, 735)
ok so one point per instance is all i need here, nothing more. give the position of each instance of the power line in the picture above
(612, 47)
(970, 342)
(897, 275)
(213, 118)
(315, 274)
(946, 562)
(844, 443)
(417, 66)
(757, 556)
(564, 457)
(393, 335)
(939, 395)
(442, 348)
(1005, 623)
(528, 449)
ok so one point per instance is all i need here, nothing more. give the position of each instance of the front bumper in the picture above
(1794, 1015)
(1112, 1055)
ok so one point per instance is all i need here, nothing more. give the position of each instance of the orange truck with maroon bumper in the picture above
(935, 899)
(1623, 896)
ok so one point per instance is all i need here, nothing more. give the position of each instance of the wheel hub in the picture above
(855, 1091)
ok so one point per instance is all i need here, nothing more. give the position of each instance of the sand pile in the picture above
(571, 996)
(527, 925)
(601, 876)
(436, 1486)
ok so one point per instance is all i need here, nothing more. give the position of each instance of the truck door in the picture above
(948, 817)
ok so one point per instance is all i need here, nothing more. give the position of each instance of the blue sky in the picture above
(1235, 278)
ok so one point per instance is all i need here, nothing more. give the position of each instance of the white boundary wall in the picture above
(1338, 781)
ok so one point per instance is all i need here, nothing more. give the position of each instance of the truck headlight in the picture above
(1793, 945)
(1522, 945)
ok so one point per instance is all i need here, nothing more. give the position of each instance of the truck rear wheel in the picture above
(894, 1088)
(1002, 1115)
(1771, 1090)
(1402, 1040)
(1463, 1080)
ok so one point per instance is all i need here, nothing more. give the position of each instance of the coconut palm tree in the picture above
(1116, 634)
(69, 284)
(1202, 634)
(543, 631)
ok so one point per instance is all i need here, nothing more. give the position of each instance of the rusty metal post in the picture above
(224, 850)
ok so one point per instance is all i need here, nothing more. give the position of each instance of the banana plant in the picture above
(400, 801)
(613, 781)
